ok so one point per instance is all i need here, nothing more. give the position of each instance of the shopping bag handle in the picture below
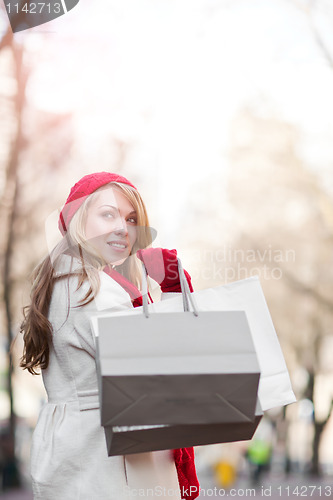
(186, 293)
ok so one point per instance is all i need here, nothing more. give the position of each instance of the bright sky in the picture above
(169, 75)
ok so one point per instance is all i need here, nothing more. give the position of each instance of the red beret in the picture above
(83, 188)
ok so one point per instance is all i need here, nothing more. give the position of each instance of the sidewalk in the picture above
(273, 486)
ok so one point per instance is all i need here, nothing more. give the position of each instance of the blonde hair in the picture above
(36, 328)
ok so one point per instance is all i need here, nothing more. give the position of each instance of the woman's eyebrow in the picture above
(116, 208)
(110, 206)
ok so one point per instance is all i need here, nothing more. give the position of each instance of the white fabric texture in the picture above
(69, 458)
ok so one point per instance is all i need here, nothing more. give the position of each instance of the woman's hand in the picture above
(162, 266)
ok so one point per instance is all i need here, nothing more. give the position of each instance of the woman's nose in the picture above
(121, 226)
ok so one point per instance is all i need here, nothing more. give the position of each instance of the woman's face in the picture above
(111, 225)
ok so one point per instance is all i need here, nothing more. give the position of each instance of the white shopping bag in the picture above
(175, 367)
(244, 295)
(238, 300)
(247, 295)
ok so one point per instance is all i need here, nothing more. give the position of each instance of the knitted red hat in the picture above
(83, 188)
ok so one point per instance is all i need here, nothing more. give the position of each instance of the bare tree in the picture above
(18, 235)
(8, 208)
(281, 204)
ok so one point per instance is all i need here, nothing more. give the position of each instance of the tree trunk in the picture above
(315, 466)
(11, 477)
(319, 427)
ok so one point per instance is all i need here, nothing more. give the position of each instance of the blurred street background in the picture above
(221, 112)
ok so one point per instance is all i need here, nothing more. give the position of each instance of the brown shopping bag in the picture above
(125, 440)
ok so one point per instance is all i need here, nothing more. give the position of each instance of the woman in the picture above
(95, 266)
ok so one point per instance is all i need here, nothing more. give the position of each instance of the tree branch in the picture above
(317, 36)
(7, 39)
(309, 290)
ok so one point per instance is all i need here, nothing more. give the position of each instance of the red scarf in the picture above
(184, 457)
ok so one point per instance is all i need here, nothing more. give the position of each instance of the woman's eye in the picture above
(107, 215)
(132, 220)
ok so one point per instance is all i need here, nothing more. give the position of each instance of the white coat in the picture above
(69, 458)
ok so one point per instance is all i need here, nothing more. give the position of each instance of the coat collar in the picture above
(66, 264)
